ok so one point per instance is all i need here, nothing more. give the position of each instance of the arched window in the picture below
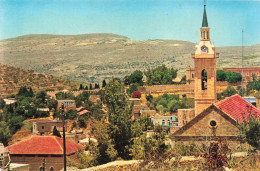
(163, 122)
(51, 168)
(192, 75)
(204, 79)
(41, 168)
(204, 35)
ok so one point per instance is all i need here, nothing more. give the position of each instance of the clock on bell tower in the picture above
(205, 69)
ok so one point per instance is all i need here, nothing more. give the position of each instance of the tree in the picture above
(64, 96)
(250, 129)
(119, 117)
(136, 94)
(55, 132)
(23, 91)
(42, 95)
(2, 103)
(160, 75)
(82, 123)
(104, 83)
(229, 91)
(221, 75)
(135, 77)
(132, 88)
(233, 77)
(52, 104)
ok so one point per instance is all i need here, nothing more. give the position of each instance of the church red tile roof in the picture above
(43, 145)
(238, 108)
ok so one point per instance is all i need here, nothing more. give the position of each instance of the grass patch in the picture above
(250, 57)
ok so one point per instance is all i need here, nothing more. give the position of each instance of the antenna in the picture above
(242, 62)
(204, 2)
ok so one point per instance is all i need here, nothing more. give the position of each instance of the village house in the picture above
(164, 120)
(68, 105)
(46, 127)
(42, 149)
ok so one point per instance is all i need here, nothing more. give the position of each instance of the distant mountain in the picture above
(11, 79)
(94, 57)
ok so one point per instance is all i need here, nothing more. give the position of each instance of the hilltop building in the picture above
(247, 72)
(210, 119)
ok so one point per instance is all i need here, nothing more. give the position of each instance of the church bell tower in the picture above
(205, 69)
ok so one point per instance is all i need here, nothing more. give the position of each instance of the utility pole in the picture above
(64, 138)
(242, 62)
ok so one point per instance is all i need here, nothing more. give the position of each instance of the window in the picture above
(41, 168)
(42, 127)
(169, 123)
(204, 35)
(213, 123)
(51, 168)
(192, 75)
(163, 122)
(204, 79)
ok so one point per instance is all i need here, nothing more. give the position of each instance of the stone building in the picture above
(46, 127)
(210, 119)
(48, 149)
(164, 120)
(68, 105)
(218, 120)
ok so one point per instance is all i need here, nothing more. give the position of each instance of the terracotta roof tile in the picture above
(43, 145)
(83, 112)
(238, 108)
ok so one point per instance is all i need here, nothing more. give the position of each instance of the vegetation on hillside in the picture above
(169, 103)
(160, 75)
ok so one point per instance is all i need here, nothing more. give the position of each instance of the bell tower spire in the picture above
(205, 20)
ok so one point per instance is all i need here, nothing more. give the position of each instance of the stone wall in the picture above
(185, 115)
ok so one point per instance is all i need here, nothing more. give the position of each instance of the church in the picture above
(210, 119)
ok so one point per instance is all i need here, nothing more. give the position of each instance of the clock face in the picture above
(204, 49)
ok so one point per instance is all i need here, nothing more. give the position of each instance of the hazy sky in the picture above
(136, 19)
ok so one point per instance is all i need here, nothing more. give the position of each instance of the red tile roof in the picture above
(82, 112)
(238, 108)
(43, 145)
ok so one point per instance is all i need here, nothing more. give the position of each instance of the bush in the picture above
(216, 155)
(149, 97)
(82, 123)
(132, 88)
(136, 94)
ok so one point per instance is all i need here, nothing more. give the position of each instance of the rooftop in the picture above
(44, 145)
(238, 108)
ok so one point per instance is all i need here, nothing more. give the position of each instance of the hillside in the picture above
(11, 79)
(94, 57)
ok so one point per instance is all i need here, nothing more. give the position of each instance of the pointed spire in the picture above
(205, 20)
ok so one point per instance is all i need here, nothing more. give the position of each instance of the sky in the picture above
(136, 19)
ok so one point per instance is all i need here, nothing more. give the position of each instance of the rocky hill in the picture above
(11, 79)
(94, 57)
